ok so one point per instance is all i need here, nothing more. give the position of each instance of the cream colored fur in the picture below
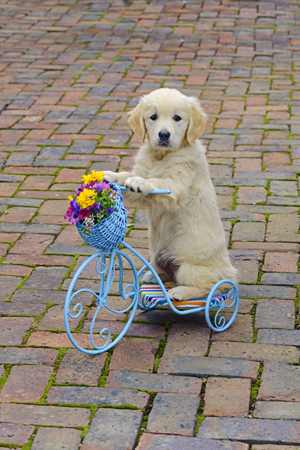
(185, 227)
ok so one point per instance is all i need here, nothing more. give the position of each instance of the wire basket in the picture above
(110, 232)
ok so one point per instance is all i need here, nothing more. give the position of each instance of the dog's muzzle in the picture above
(164, 137)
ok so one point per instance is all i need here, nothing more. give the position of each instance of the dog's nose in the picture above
(164, 135)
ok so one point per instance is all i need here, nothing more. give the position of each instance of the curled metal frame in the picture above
(104, 288)
(215, 300)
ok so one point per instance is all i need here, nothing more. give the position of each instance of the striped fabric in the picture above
(152, 295)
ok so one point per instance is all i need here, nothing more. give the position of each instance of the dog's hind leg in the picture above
(148, 277)
(196, 281)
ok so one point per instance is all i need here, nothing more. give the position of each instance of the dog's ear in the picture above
(136, 120)
(197, 122)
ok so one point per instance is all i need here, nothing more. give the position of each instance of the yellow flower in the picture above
(94, 176)
(70, 198)
(86, 179)
(86, 198)
(97, 176)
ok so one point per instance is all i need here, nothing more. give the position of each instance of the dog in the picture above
(187, 239)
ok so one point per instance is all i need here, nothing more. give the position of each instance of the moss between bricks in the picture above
(200, 415)
(254, 390)
(146, 415)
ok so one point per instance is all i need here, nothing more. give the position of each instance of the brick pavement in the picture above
(70, 70)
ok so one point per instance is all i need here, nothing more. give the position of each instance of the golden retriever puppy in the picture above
(187, 240)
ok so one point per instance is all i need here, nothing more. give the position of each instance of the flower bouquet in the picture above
(97, 210)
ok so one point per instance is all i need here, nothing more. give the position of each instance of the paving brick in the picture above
(105, 314)
(37, 296)
(15, 270)
(54, 207)
(152, 441)
(251, 195)
(30, 309)
(204, 367)
(254, 352)
(280, 262)
(135, 329)
(277, 410)
(273, 447)
(283, 228)
(274, 388)
(173, 414)
(13, 329)
(8, 286)
(54, 319)
(250, 430)
(240, 330)
(247, 271)
(280, 278)
(15, 355)
(7, 189)
(154, 382)
(25, 384)
(283, 187)
(47, 339)
(246, 231)
(275, 314)
(31, 228)
(276, 292)
(79, 368)
(15, 434)
(227, 397)
(32, 243)
(69, 176)
(55, 416)
(46, 278)
(118, 430)
(56, 439)
(37, 182)
(187, 340)
(134, 354)
(97, 396)
(279, 337)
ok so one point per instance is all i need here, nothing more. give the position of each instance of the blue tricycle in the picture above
(107, 236)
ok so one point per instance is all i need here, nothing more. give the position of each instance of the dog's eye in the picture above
(177, 118)
(153, 117)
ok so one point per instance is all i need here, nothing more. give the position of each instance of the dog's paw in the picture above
(149, 278)
(138, 184)
(177, 294)
(110, 177)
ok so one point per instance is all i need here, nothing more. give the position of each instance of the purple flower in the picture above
(80, 189)
(75, 207)
(101, 186)
(110, 210)
(96, 206)
(71, 216)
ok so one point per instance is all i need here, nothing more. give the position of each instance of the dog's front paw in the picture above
(177, 294)
(110, 177)
(138, 184)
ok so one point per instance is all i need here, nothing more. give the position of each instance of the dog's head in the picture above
(168, 118)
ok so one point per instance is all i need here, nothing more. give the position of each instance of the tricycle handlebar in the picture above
(154, 191)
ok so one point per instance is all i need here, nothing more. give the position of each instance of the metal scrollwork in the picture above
(106, 275)
(216, 300)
